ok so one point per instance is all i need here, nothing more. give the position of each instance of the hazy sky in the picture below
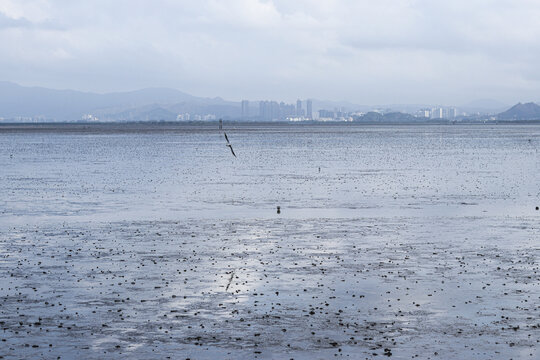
(365, 51)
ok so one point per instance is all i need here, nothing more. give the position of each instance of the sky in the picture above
(362, 51)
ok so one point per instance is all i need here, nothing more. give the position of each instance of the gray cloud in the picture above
(362, 51)
(7, 22)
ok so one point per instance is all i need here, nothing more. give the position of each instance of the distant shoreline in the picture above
(160, 126)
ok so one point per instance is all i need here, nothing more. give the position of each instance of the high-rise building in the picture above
(274, 111)
(299, 107)
(263, 110)
(269, 110)
(451, 113)
(245, 109)
(309, 109)
(327, 114)
(286, 111)
(437, 113)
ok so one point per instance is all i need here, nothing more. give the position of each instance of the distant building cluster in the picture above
(274, 111)
(89, 117)
(447, 113)
(302, 110)
(26, 119)
(438, 113)
(269, 110)
(195, 117)
(245, 109)
(334, 115)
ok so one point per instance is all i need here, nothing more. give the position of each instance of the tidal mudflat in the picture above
(155, 242)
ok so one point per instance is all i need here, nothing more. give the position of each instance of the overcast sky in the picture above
(364, 51)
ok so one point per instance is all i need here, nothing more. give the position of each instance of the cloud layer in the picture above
(386, 51)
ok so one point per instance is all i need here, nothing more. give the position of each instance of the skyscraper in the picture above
(269, 110)
(309, 110)
(299, 108)
(437, 113)
(245, 109)
(263, 110)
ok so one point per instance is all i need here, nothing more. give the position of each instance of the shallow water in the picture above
(156, 242)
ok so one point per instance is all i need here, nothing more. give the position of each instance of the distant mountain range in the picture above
(528, 111)
(21, 103)
(68, 105)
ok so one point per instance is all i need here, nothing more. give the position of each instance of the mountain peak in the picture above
(521, 111)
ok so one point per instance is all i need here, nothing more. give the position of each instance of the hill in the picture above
(527, 111)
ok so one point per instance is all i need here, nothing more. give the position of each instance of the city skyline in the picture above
(41, 104)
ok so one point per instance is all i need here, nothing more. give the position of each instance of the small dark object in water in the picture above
(278, 210)
(537, 208)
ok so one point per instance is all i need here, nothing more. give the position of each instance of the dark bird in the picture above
(230, 147)
(229, 144)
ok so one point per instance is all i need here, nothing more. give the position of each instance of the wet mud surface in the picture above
(420, 242)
